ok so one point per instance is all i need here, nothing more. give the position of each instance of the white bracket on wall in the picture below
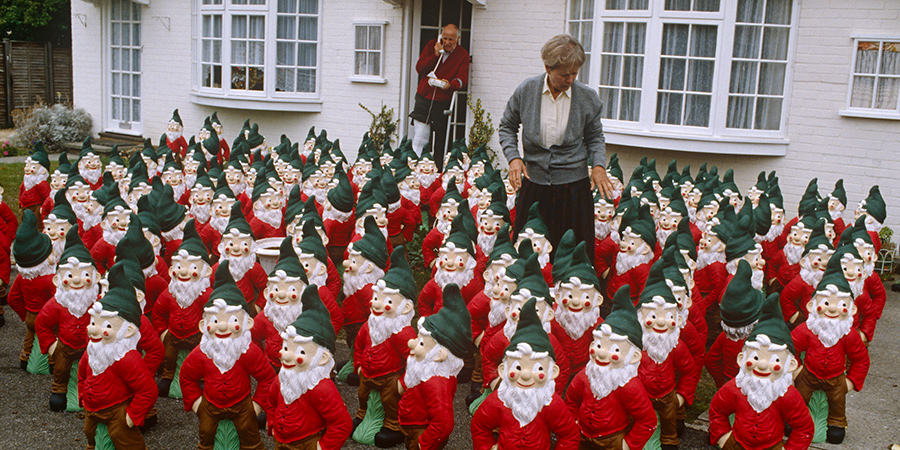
(394, 3)
(482, 4)
(164, 21)
(81, 18)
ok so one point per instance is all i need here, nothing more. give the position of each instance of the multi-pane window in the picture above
(875, 83)
(125, 62)
(707, 67)
(368, 54)
(258, 48)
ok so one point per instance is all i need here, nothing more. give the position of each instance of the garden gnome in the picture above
(114, 224)
(371, 202)
(606, 235)
(712, 271)
(62, 323)
(829, 340)
(837, 203)
(637, 242)
(89, 165)
(429, 179)
(153, 270)
(202, 194)
(492, 220)
(268, 214)
(34, 188)
(338, 215)
(194, 161)
(114, 385)
(740, 309)
(874, 288)
(171, 217)
(180, 307)
(307, 409)
(365, 264)
(536, 230)
(787, 261)
(315, 263)
(526, 408)
(57, 181)
(174, 135)
(173, 175)
(401, 223)
(380, 349)
(443, 216)
(57, 223)
(238, 246)
(235, 180)
(224, 362)
(762, 396)
(33, 286)
(456, 264)
(219, 128)
(435, 358)
(796, 294)
(578, 298)
(607, 396)
(874, 209)
(667, 365)
(741, 245)
(222, 203)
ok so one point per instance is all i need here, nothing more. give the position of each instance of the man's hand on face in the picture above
(437, 48)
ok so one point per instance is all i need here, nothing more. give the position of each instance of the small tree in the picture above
(482, 129)
(383, 126)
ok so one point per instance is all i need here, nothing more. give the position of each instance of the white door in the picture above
(124, 93)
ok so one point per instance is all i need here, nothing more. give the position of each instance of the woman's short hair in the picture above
(563, 50)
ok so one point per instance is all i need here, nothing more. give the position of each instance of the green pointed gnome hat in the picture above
(65, 165)
(817, 238)
(451, 326)
(656, 286)
(369, 196)
(191, 243)
(741, 240)
(452, 193)
(315, 321)
(686, 239)
(530, 331)
(176, 117)
(260, 187)
(222, 187)
(858, 231)
(238, 222)
(311, 214)
(670, 267)
(203, 179)
(771, 324)
(623, 318)
(289, 262)
(459, 235)
(341, 196)
(62, 210)
(372, 245)
(676, 203)
(113, 200)
(533, 280)
(502, 246)
(810, 199)
(135, 240)
(834, 272)
(575, 264)
(121, 298)
(390, 188)
(875, 205)
(75, 249)
(147, 213)
(312, 242)
(171, 164)
(294, 205)
(498, 203)
(168, 212)
(741, 303)
(641, 223)
(839, 192)
(225, 289)
(138, 175)
(400, 275)
(254, 139)
(133, 271)
(30, 247)
(535, 222)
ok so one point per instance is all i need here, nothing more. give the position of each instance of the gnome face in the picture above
(835, 207)
(225, 323)
(188, 268)
(410, 183)
(490, 224)
(201, 196)
(753, 195)
(58, 180)
(174, 128)
(734, 199)
(480, 197)
(866, 251)
(298, 356)
(73, 275)
(663, 202)
(455, 172)
(613, 351)
(217, 126)
(203, 134)
(270, 200)
(632, 244)
(32, 167)
(327, 169)
(315, 269)
(89, 162)
(117, 171)
(388, 303)
(447, 212)
(777, 216)
(233, 177)
(173, 177)
(504, 288)
(754, 257)
(56, 229)
(237, 245)
(378, 213)
(139, 191)
(517, 301)
(816, 259)
(283, 290)
(291, 176)
(116, 221)
(250, 177)
(710, 242)
(79, 193)
(108, 328)
(190, 166)
(832, 304)
(658, 318)
(494, 270)
(453, 260)
(421, 346)
(222, 205)
(799, 235)
(693, 198)
(765, 373)
(668, 219)
(539, 243)
(707, 212)
(361, 168)
(578, 297)
(529, 371)
(426, 167)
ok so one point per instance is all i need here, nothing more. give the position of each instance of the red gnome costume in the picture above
(637, 240)
(34, 188)
(224, 362)
(338, 216)
(365, 264)
(536, 230)
(174, 135)
(800, 289)
(307, 411)
(268, 214)
(526, 408)
(607, 396)
(238, 246)
(435, 359)
(457, 263)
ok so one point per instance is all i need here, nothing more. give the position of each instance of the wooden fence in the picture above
(33, 72)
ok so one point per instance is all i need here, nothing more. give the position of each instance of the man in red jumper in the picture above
(443, 68)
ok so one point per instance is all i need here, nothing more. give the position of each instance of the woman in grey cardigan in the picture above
(561, 138)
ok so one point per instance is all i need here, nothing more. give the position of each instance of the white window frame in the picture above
(715, 138)
(871, 113)
(268, 98)
(364, 78)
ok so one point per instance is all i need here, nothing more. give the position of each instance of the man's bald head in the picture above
(449, 37)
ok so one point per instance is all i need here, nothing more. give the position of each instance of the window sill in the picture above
(261, 104)
(367, 79)
(698, 144)
(870, 114)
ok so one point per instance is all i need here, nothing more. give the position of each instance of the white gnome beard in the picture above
(218, 222)
(186, 292)
(706, 257)
(601, 229)
(178, 191)
(793, 253)
(175, 234)
(868, 270)
(270, 216)
(101, 356)
(739, 333)
(320, 194)
(761, 392)
(809, 275)
(419, 371)
(605, 379)
(360, 179)
(173, 136)
(662, 235)
(873, 225)
(525, 404)
(461, 278)
(576, 323)
(659, 345)
(248, 191)
(626, 261)
(544, 255)
(294, 384)
(34, 179)
(282, 315)
(225, 352)
(835, 213)
(201, 213)
(58, 246)
(46, 267)
(427, 180)
(353, 283)
(237, 188)
(382, 327)
(509, 328)
(77, 301)
(829, 331)
(856, 287)
(692, 214)
(240, 265)
(413, 195)
(443, 226)
(335, 215)
(189, 180)
(92, 176)
(113, 235)
(497, 314)
(360, 231)
(773, 233)
(486, 242)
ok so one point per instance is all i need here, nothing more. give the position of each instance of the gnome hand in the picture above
(196, 404)
(625, 446)
(318, 447)
(53, 348)
(850, 386)
(795, 316)
(495, 383)
(257, 409)
(680, 400)
(478, 339)
(722, 440)
(400, 389)
(863, 336)
(162, 336)
(495, 446)
(128, 421)
(797, 372)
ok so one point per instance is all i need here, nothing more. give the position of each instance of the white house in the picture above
(807, 88)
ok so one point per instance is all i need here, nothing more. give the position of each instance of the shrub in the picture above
(53, 125)
(383, 126)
